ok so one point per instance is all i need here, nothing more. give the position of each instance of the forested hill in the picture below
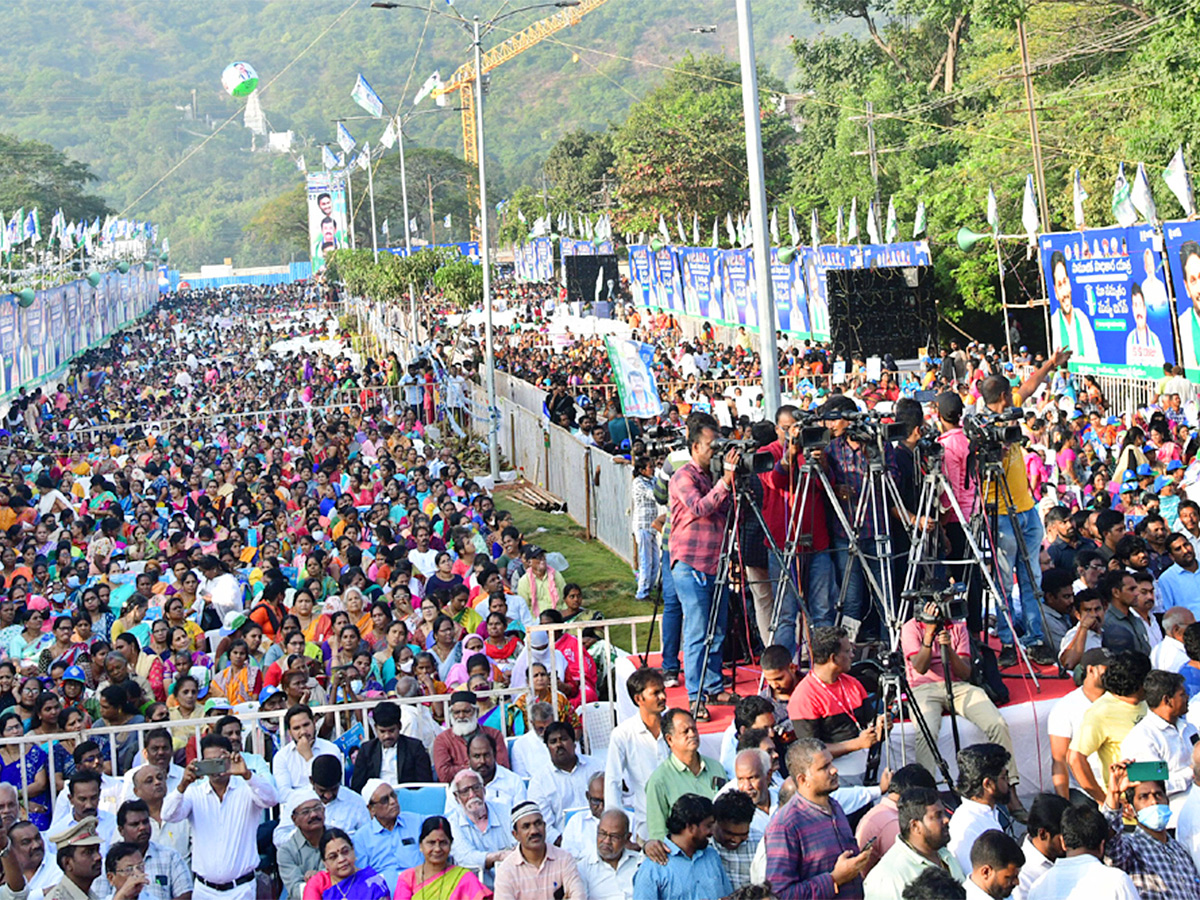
(111, 83)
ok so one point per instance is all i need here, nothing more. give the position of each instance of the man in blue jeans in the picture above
(672, 612)
(998, 395)
(698, 512)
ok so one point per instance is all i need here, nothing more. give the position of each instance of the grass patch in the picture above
(608, 583)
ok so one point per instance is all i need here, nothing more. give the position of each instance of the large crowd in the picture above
(263, 633)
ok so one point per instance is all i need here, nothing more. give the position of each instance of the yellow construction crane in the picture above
(463, 79)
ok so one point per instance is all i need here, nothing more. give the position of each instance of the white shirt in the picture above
(112, 792)
(106, 827)
(291, 770)
(633, 755)
(1035, 866)
(1155, 738)
(1169, 655)
(234, 818)
(1187, 827)
(529, 755)
(579, 835)
(1065, 719)
(47, 875)
(1091, 642)
(556, 790)
(506, 789)
(348, 811)
(969, 821)
(423, 562)
(174, 776)
(1083, 878)
(603, 881)
(387, 767)
(974, 891)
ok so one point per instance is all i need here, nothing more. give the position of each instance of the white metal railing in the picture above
(198, 725)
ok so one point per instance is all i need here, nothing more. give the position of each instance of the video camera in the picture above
(752, 462)
(951, 604)
(995, 429)
(663, 440)
(869, 428)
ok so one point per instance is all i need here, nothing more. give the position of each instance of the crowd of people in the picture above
(258, 616)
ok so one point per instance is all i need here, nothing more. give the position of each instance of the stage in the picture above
(1026, 714)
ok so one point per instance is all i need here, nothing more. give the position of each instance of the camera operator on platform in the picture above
(998, 396)
(921, 640)
(956, 452)
(698, 513)
(847, 463)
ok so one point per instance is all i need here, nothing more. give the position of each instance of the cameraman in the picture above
(956, 449)
(698, 512)
(847, 463)
(998, 396)
(922, 639)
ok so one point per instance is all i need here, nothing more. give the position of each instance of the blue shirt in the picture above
(390, 852)
(1179, 587)
(703, 875)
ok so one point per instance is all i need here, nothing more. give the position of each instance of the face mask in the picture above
(406, 667)
(73, 581)
(1154, 817)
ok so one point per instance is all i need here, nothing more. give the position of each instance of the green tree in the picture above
(579, 168)
(282, 222)
(33, 174)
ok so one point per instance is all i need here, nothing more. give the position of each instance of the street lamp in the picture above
(477, 31)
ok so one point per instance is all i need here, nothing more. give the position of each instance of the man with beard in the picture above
(450, 747)
(565, 784)
(983, 785)
(537, 869)
(481, 835)
(292, 765)
(1180, 584)
(693, 868)
(502, 786)
(164, 867)
(1069, 326)
(609, 867)
(924, 834)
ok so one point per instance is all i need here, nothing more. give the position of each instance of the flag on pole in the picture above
(1141, 197)
(1123, 209)
(633, 371)
(1029, 212)
(433, 82)
(412, 226)
(730, 231)
(344, 138)
(364, 95)
(384, 228)
(1179, 180)
(872, 225)
(364, 158)
(679, 228)
(695, 229)
(1078, 196)
(919, 224)
(328, 160)
(33, 227)
(775, 226)
(841, 225)
(301, 164)
(891, 231)
(852, 233)
(716, 237)
(814, 231)
(389, 134)
(446, 221)
(793, 228)
(663, 229)
(993, 214)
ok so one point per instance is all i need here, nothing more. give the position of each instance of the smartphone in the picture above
(1155, 770)
(212, 766)
(869, 844)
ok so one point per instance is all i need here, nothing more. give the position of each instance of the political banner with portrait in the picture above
(900, 254)
(543, 259)
(738, 290)
(633, 371)
(667, 291)
(791, 295)
(9, 340)
(640, 275)
(1108, 300)
(700, 275)
(327, 230)
(1183, 255)
(572, 247)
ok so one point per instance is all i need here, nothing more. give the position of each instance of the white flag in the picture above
(730, 231)
(412, 226)
(993, 215)
(679, 228)
(328, 160)
(716, 239)
(872, 225)
(695, 229)
(662, 228)
(389, 135)
(775, 226)
(852, 232)
(814, 232)
(446, 221)
(364, 95)
(1029, 212)
(364, 158)
(432, 82)
(919, 222)
(301, 164)
(1142, 199)
(1179, 180)
(344, 138)
(793, 228)
(384, 227)
(1078, 196)
(891, 229)
(841, 224)
(1123, 209)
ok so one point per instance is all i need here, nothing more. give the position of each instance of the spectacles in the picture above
(131, 868)
(611, 835)
(387, 798)
(593, 801)
(473, 789)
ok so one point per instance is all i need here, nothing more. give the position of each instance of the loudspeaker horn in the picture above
(968, 238)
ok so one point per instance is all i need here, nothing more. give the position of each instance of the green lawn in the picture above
(607, 581)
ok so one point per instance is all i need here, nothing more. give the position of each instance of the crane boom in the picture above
(463, 79)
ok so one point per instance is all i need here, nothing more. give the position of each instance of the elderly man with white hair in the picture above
(390, 842)
(752, 775)
(481, 829)
(1168, 654)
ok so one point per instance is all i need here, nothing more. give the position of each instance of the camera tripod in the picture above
(894, 688)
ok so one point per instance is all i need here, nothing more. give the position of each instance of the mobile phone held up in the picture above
(212, 766)
(1154, 770)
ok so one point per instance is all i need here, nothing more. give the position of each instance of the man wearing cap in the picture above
(164, 867)
(536, 869)
(79, 858)
(292, 765)
(390, 842)
(299, 856)
(390, 756)
(450, 747)
(538, 651)
(481, 833)
(230, 804)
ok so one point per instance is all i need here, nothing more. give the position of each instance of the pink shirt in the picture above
(956, 447)
(912, 634)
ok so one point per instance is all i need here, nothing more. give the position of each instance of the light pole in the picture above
(485, 256)
(768, 349)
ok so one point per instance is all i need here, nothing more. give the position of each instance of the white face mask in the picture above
(406, 666)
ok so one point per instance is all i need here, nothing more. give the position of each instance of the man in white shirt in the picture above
(83, 795)
(502, 786)
(579, 834)
(983, 784)
(292, 765)
(607, 868)
(344, 808)
(528, 753)
(481, 829)
(87, 756)
(228, 806)
(1165, 734)
(157, 750)
(1081, 874)
(1043, 840)
(1169, 654)
(996, 862)
(1066, 718)
(1187, 828)
(563, 785)
(39, 867)
(636, 747)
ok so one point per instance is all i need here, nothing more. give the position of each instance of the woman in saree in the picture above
(342, 878)
(437, 878)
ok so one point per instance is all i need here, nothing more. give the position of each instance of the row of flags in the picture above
(25, 227)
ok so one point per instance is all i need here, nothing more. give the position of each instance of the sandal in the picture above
(724, 698)
(702, 714)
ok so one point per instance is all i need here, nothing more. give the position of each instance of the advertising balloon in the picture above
(239, 79)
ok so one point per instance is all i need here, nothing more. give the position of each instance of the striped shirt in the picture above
(697, 518)
(803, 842)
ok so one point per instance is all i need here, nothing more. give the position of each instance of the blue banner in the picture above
(543, 250)
(668, 292)
(571, 247)
(640, 275)
(1183, 255)
(700, 272)
(1108, 302)
(905, 253)
(738, 289)
(791, 295)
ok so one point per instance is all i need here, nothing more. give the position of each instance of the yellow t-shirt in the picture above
(1015, 474)
(1104, 727)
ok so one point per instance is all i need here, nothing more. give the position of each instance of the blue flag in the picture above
(364, 95)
